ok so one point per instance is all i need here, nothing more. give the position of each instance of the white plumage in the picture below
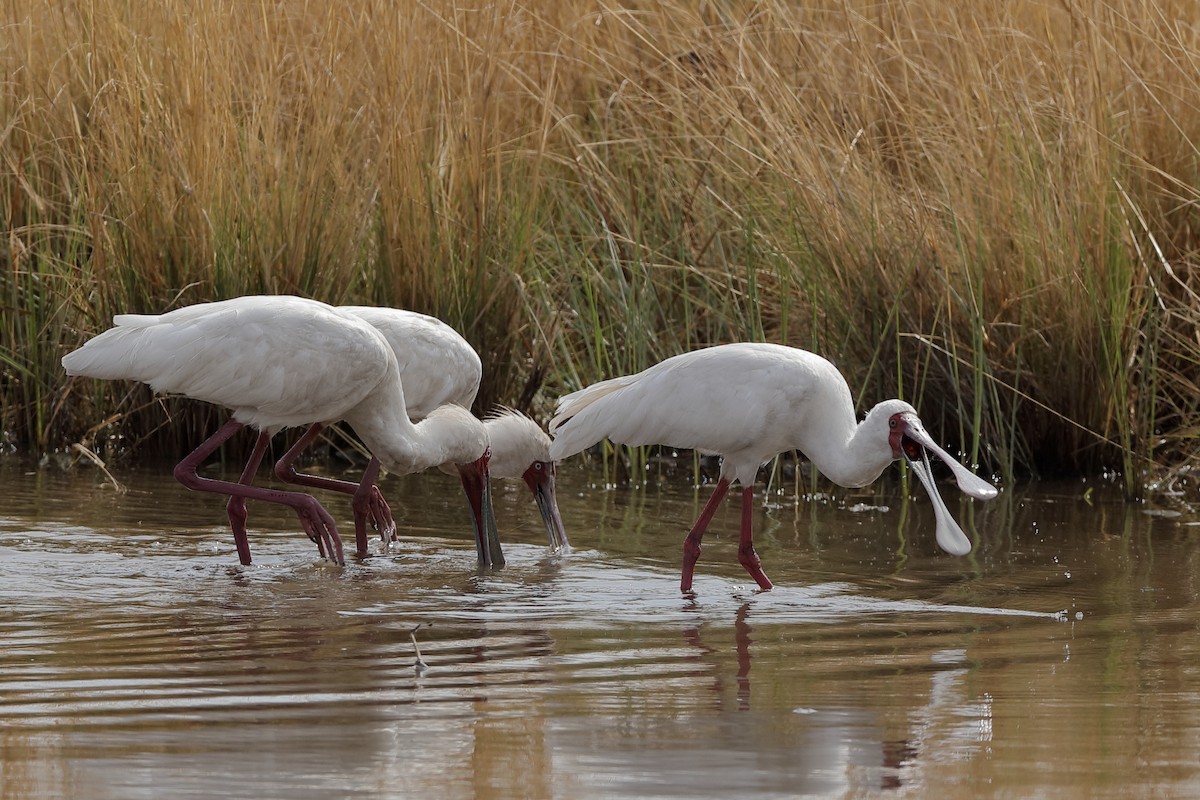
(748, 402)
(275, 364)
(439, 367)
(280, 361)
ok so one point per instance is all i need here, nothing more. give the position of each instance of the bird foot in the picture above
(371, 506)
(749, 559)
(320, 528)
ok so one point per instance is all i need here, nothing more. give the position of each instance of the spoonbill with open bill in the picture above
(748, 402)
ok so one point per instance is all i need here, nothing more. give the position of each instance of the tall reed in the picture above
(987, 209)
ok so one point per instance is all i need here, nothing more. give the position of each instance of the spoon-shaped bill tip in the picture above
(950, 537)
(972, 484)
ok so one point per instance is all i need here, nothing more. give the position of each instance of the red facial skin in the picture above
(540, 480)
(901, 445)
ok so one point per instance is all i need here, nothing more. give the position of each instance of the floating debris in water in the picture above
(119, 487)
(420, 666)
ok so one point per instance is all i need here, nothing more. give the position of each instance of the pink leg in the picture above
(691, 545)
(236, 507)
(315, 520)
(368, 501)
(746, 554)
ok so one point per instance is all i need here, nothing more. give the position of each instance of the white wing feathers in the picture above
(273, 369)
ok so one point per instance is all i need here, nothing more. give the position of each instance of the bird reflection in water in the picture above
(890, 760)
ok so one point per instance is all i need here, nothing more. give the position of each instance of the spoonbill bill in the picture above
(279, 361)
(748, 402)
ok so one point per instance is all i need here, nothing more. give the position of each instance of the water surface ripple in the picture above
(140, 660)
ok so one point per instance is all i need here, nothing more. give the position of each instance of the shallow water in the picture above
(139, 660)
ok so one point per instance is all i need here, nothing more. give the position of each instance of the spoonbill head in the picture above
(909, 440)
(521, 449)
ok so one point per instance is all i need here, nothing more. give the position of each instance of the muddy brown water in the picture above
(139, 660)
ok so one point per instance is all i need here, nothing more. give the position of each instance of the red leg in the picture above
(746, 555)
(236, 507)
(315, 520)
(691, 545)
(368, 500)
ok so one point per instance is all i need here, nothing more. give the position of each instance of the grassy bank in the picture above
(988, 210)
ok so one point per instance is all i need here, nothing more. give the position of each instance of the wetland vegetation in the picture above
(986, 209)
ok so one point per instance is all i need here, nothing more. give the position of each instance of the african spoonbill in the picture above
(281, 361)
(748, 402)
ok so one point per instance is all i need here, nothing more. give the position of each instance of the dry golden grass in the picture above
(988, 208)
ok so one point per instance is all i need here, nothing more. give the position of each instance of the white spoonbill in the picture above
(277, 362)
(748, 402)
(438, 366)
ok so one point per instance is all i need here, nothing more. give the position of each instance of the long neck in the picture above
(448, 435)
(848, 454)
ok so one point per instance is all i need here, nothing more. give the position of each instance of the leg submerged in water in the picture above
(368, 502)
(316, 521)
